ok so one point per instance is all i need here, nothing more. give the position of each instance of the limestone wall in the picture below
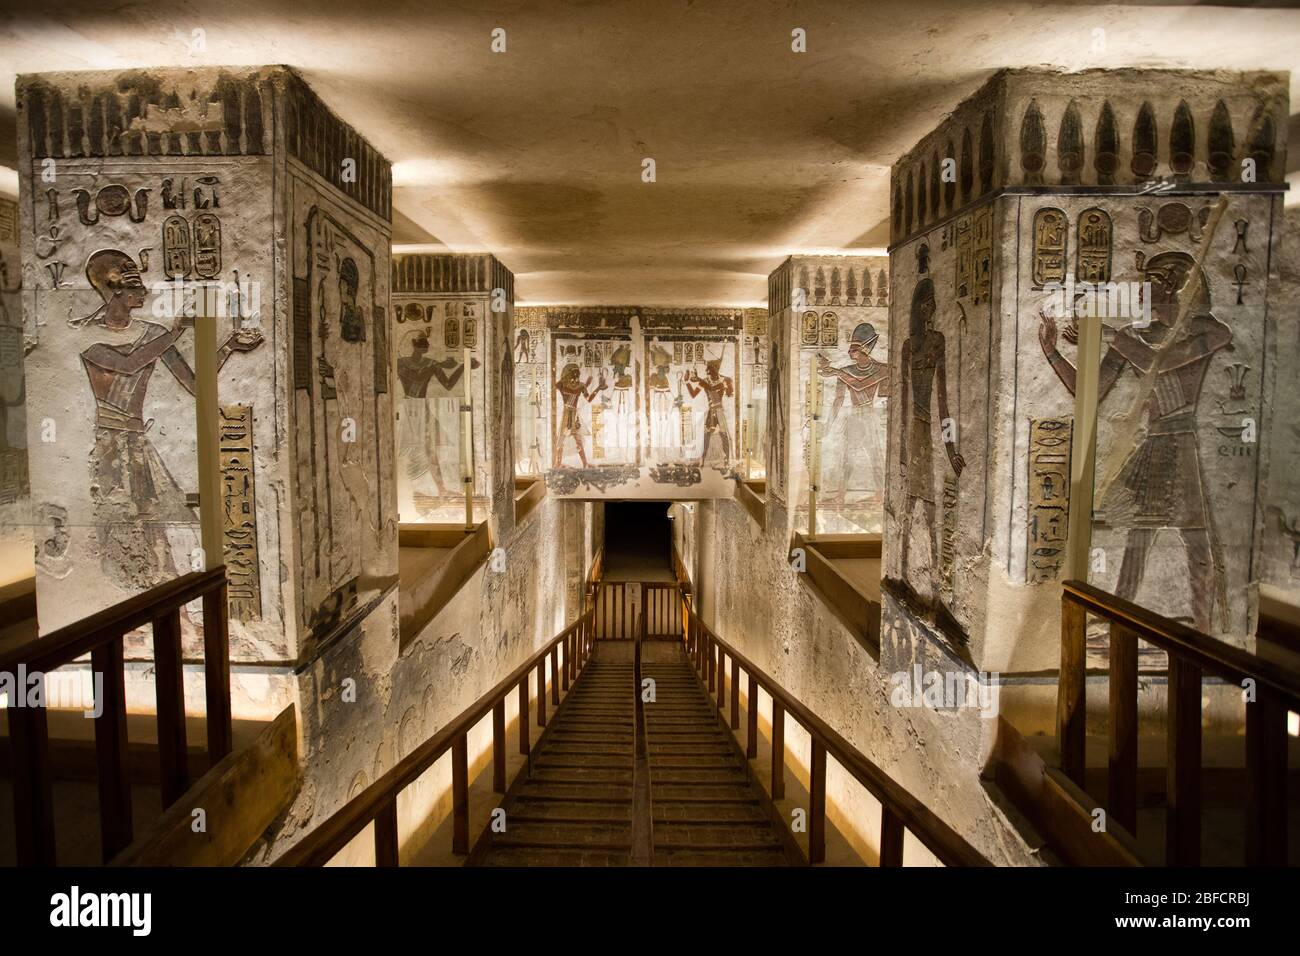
(16, 544)
(1103, 200)
(444, 306)
(776, 622)
(367, 705)
(154, 199)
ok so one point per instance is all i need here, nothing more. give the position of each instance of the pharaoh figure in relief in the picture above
(865, 382)
(1161, 485)
(716, 387)
(421, 432)
(136, 499)
(924, 372)
(571, 387)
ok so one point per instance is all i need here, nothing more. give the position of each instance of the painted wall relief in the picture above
(340, 377)
(1176, 527)
(644, 399)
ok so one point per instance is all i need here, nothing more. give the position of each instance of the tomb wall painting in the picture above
(941, 319)
(1177, 530)
(1281, 493)
(842, 332)
(165, 181)
(16, 524)
(532, 432)
(1187, 488)
(644, 402)
(110, 413)
(753, 388)
(780, 293)
(443, 307)
(345, 525)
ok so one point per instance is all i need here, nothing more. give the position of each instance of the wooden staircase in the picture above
(576, 804)
(706, 809)
(573, 805)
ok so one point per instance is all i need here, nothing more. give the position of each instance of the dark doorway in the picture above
(638, 541)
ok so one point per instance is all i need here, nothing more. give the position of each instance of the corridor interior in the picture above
(592, 434)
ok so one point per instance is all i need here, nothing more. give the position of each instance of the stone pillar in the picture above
(15, 497)
(834, 317)
(705, 571)
(443, 307)
(151, 197)
(1095, 194)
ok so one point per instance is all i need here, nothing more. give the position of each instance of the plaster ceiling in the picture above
(536, 154)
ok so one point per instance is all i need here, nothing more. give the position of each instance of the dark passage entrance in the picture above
(638, 541)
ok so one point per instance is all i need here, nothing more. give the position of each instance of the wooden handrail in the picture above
(378, 802)
(102, 635)
(81, 637)
(1269, 689)
(899, 808)
(1210, 653)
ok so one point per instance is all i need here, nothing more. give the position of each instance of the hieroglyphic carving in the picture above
(948, 545)
(239, 528)
(982, 253)
(176, 247)
(1050, 238)
(1093, 240)
(965, 257)
(1049, 497)
(207, 246)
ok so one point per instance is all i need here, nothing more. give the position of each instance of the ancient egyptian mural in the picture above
(753, 390)
(640, 402)
(447, 308)
(1179, 284)
(165, 211)
(838, 341)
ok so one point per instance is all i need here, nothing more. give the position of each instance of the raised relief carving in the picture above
(112, 200)
(239, 528)
(176, 245)
(1049, 497)
(1050, 238)
(1093, 246)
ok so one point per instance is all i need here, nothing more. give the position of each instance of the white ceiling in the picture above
(536, 154)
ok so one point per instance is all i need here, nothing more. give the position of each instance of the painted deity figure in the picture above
(571, 387)
(863, 381)
(421, 434)
(135, 496)
(1161, 485)
(925, 372)
(716, 387)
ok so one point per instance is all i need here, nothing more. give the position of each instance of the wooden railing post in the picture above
(891, 837)
(169, 678)
(386, 835)
(778, 749)
(1183, 773)
(735, 693)
(1266, 760)
(33, 794)
(1121, 784)
(722, 679)
(216, 672)
(115, 821)
(460, 794)
(751, 719)
(1071, 694)
(541, 691)
(817, 803)
(499, 746)
(570, 669)
(523, 715)
(555, 674)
